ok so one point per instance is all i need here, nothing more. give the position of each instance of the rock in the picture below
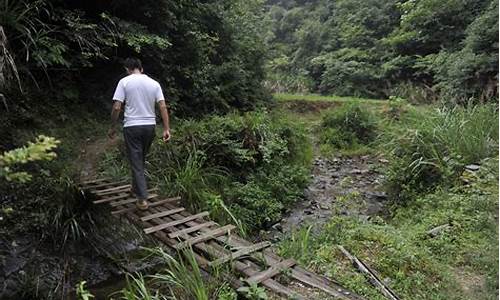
(355, 171)
(379, 195)
(324, 206)
(472, 167)
(383, 160)
(278, 227)
(438, 230)
(308, 212)
(358, 171)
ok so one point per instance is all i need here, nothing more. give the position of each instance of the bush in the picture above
(348, 126)
(438, 145)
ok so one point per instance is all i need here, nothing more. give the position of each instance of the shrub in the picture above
(348, 126)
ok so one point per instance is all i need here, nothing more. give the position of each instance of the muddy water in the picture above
(340, 185)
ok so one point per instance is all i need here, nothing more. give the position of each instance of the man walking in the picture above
(139, 93)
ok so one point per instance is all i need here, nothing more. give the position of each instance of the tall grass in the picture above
(192, 179)
(435, 146)
(298, 244)
(137, 289)
(183, 276)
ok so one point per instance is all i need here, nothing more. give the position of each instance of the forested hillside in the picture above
(422, 50)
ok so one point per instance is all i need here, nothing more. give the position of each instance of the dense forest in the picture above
(370, 125)
(424, 50)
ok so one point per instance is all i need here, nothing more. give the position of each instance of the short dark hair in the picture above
(132, 63)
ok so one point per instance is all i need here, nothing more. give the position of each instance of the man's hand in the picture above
(166, 135)
(112, 133)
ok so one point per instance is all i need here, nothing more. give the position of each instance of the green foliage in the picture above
(253, 292)
(348, 126)
(396, 106)
(207, 56)
(297, 245)
(40, 150)
(82, 293)
(437, 145)
(183, 276)
(137, 289)
(423, 51)
(226, 293)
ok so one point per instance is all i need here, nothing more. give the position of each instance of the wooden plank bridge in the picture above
(213, 245)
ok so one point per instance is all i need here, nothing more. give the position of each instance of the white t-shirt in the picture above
(140, 94)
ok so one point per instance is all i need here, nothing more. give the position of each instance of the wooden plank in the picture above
(114, 188)
(123, 196)
(206, 236)
(272, 271)
(175, 223)
(162, 237)
(298, 273)
(190, 229)
(131, 200)
(123, 189)
(162, 214)
(246, 268)
(91, 181)
(103, 185)
(153, 204)
(240, 253)
(373, 278)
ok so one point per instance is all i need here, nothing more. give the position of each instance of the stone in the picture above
(278, 227)
(308, 212)
(324, 206)
(379, 195)
(472, 167)
(383, 160)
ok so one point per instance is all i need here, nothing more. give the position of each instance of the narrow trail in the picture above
(89, 155)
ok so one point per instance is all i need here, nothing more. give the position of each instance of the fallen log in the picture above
(373, 278)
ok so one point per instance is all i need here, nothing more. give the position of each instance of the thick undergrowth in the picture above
(243, 168)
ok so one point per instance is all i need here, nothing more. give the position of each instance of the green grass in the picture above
(332, 98)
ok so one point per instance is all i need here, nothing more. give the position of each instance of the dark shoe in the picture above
(142, 204)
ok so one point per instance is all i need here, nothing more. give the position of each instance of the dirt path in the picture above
(90, 153)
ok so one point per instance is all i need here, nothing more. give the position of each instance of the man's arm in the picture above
(166, 121)
(115, 114)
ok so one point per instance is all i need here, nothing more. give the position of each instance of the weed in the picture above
(82, 293)
(253, 292)
(298, 244)
(183, 274)
(137, 289)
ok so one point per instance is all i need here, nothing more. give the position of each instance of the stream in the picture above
(342, 185)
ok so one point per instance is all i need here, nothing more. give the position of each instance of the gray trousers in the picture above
(138, 139)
